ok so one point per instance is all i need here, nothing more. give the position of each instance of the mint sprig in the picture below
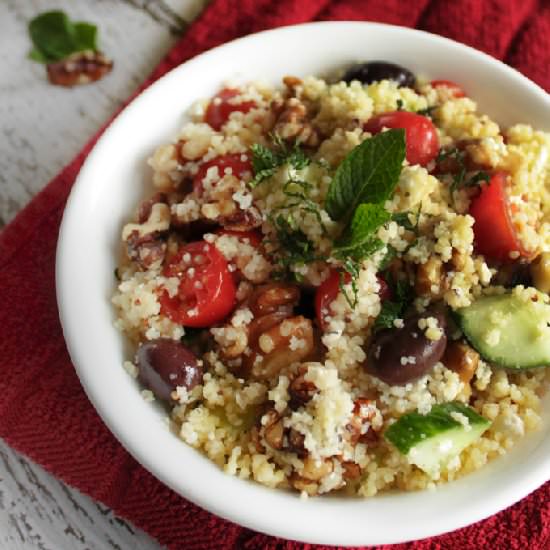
(360, 240)
(55, 37)
(368, 174)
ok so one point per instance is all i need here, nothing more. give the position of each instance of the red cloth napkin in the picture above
(43, 411)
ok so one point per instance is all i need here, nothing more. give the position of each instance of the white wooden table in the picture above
(41, 128)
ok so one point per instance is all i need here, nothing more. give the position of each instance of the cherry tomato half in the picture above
(494, 233)
(421, 136)
(239, 163)
(328, 292)
(206, 292)
(454, 89)
(219, 108)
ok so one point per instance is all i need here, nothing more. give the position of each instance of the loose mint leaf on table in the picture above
(55, 37)
(368, 174)
(85, 35)
(360, 240)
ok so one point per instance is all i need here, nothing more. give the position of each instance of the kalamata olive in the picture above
(164, 364)
(374, 71)
(400, 355)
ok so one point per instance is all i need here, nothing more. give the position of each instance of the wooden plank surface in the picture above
(41, 128)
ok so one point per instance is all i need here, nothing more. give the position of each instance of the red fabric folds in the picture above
(44, 412)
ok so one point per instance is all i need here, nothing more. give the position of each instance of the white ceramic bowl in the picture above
(115, 177)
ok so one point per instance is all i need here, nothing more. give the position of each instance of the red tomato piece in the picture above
(453, 87)
(239, 163)
(219, 108)
(206, 292)
(421, 136)
(254, 238)
(326, 294)
(494, 234)
(329, 289)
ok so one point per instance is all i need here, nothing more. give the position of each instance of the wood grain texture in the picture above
(41, 128)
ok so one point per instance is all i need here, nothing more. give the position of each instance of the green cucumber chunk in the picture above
(430, 441)
(508, 330)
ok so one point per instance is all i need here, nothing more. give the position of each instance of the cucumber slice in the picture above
(508, 330)
(432, 440)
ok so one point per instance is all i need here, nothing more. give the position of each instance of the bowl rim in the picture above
(315, 533)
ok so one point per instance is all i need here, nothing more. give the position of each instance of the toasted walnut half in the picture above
(293, 124)
(430, 278)
(462, 359)
(287, 342)
(79, 68)
(301, 390)
(145, 243)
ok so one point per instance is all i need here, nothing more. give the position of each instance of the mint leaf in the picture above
(52, 35)
(85, 35)
(359, 239)
(38, 56)
(55, 37)
(368, 174)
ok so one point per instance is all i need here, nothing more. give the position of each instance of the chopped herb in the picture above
(368, 174)
(266, 161)
(428, 111)
(477, 178)
(55, 37)
(402, 297)
(400, 105)
(389, 312)
(391, 253)
(404, 219)
(298, 191)
(294, 247)
(352, 268)
(459, 178)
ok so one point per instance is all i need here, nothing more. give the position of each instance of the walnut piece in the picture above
(79, 68)
(293, 124)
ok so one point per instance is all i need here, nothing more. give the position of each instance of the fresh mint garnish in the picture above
(359, 240)
(55, 37)
(368, 174)
(266, 161)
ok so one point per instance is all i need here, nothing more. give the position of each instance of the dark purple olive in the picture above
(400, 355)
(164, 364)
(374, 71)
